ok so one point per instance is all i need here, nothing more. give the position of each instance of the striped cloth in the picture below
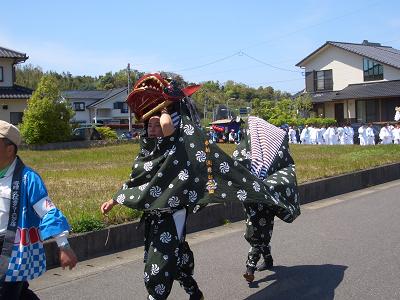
(266, 139)
(176, 119)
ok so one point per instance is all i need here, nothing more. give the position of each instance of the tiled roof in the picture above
(320, 97)
(89, 95)
(370, 90)
(383, 54)
(15, 92)
(111, 93)
(8, 53)
(379, 89)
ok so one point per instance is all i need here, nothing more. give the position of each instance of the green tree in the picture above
(46, 118)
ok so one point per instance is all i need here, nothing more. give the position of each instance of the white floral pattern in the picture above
(256, 186)
(121, 198)
(160, 289)
(154, 269)
(188, 129)
(224, 167)
(165, 237)
(241, 194)
(192, 196)
(183, 175)
(173, 201)
(143, 186)
(148, 166)
(155, 191)
(200, 156)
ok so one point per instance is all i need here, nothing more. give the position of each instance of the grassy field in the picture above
(80, 180)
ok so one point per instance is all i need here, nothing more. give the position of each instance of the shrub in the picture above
(46, 119)
(107, 133)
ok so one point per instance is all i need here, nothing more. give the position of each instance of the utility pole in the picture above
(129, 90)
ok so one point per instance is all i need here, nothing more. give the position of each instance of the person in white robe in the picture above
(305, 136)
(313, 135)
(321, 132)
(386, 135)
(292, 135)
(341, 135)
(362, 134)
(349, 132)
(396, 134)
(370, 135)
(397, 114)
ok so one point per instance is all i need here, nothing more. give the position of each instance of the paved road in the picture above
(346, 247)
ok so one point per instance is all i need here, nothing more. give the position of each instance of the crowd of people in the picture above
(344, 135)
(231, 136)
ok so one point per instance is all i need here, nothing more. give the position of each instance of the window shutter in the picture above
(310, 81)
(328, 80)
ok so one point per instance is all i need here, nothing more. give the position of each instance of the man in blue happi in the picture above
(27, 217)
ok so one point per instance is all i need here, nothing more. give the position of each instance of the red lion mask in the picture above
(152, 93)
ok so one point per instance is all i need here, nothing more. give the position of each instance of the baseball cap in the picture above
(10, 132)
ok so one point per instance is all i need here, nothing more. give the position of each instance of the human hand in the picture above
(107, 206)
(68, 258)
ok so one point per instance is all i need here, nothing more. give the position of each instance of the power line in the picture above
(267, 64)
(279, 37)
(210, 63)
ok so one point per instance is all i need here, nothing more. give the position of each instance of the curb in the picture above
(126, 236)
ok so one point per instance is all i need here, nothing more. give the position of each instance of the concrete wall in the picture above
(126, 236)
(7, 64)
(347, 67)
(14, 105)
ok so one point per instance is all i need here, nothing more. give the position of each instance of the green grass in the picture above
(80, 180)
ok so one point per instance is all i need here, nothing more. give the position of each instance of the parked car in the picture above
(85, 134)
(356, 126)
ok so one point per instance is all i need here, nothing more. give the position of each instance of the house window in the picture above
(323, 80)
(1, 74)
(123, 106)
(118, 105)
(16, 117)
(372, 70)
(79, 106)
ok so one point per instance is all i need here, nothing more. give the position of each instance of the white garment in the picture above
(397, 116)
(313, 135)
(341, 135)
(370, 136)
(330, 136)
(292, 136)
(321, 132)
(362, 135)
(350, 135)
(386, 136)
(5, 199)
(305, 136)
(396, 135)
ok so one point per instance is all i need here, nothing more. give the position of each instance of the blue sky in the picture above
(202, 40)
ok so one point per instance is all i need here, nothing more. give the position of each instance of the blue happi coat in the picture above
(38, 220)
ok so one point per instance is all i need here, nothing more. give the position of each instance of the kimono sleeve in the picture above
(52, 221)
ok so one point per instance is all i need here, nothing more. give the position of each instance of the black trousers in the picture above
(16, 291)
(259, 227)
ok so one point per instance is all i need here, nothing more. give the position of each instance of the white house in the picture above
(13, 98)
(106, 107)
(353, 82)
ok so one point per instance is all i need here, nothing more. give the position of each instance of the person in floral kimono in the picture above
(167, 255)
(265, 152)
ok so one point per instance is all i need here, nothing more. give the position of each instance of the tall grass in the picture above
(79, 180)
